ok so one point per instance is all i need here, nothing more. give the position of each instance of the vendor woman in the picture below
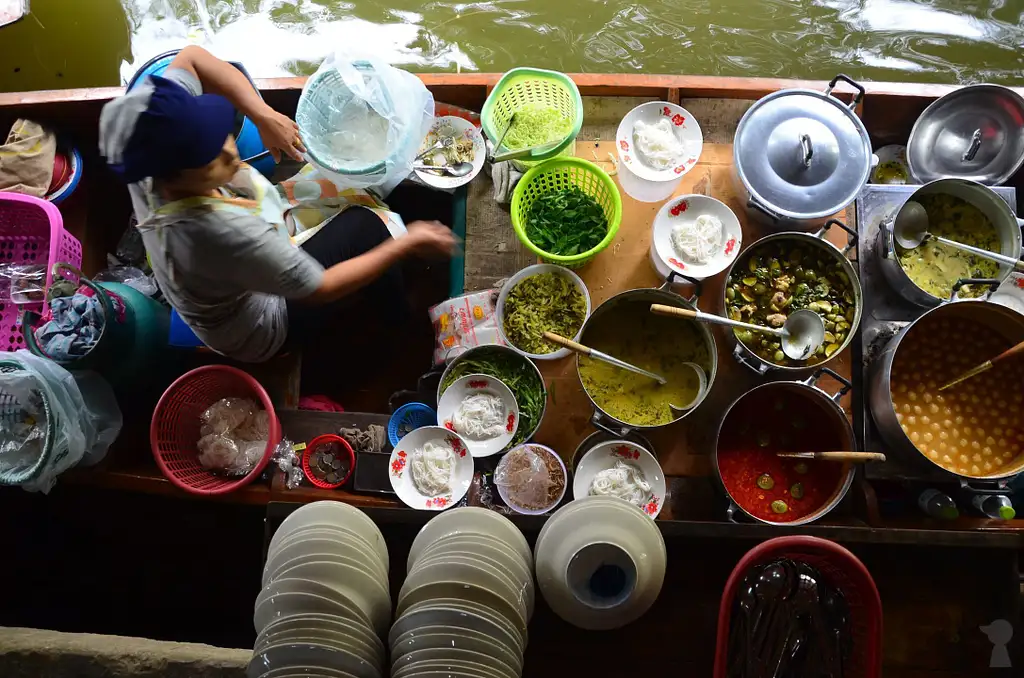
(213, 232)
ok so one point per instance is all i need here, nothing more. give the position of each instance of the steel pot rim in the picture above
(810, 388)
(848, 267)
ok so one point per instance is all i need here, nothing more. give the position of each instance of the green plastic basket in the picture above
(522, 86)
(559, 174)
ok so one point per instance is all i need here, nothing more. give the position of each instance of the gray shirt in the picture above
(226, 274)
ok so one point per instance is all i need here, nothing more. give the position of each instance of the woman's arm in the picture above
(278, 132)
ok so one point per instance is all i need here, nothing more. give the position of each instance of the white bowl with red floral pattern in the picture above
(686, 130)
(683, 210)
(480, 384)
(606, 455)
(401, 474)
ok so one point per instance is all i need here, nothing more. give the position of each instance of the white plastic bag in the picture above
(363, 121)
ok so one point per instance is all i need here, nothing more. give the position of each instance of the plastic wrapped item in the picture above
(363, 120)
(23, 283)
(234, 436)
(226, 415)
(130, 250)
(290, 463)
(131, 276)
(78, 423)
(530, 478)
(465, 322)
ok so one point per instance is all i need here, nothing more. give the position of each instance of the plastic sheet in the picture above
(363, 120)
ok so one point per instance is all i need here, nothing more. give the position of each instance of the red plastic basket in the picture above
(327, 439)
(843, 570)
(174, 431)
(31, 232)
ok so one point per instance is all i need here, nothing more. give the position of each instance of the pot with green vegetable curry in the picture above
(963, 211)
(783, 273)
(625, 328)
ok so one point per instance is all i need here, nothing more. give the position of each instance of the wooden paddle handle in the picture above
(566, 343)
(850, 456)
(662, 309)
(1009, 353)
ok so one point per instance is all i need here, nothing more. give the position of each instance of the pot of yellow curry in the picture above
(975, 429)
(625, 328)
(783, 273)
(960, 210)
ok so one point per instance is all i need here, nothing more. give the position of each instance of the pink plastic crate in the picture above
(31, 232)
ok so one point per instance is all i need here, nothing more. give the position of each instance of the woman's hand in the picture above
(279, 134)
(429, 238)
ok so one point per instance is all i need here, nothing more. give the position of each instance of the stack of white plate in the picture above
(466, 601)
(325, 601)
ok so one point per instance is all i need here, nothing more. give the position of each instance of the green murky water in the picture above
(77, 43)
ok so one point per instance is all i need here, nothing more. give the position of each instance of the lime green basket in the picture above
(522, 86)
(559, 174)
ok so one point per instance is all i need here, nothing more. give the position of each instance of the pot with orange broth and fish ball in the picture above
(974, 429)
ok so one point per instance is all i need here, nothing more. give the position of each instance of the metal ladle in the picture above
(459, 169)
(911, 229)
(802, 333)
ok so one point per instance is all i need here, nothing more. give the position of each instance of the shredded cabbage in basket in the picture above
(480, 416)
(699, 240)
(622, 481)
(432, 467)
(536, 124)
(658, 144)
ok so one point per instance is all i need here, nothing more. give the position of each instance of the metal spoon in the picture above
(598, 355)
(459, 169)
(911, 229)
(802, 333)
(443, 142)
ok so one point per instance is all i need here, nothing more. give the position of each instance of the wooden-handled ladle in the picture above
(986, 366)
(801, 334)
(856, 457)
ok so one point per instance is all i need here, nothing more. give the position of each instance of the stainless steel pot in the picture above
(999, 319)
(479, 352)
(821, 404)
(647, 296)
(815, 242)
(982, 197)
(800, 156)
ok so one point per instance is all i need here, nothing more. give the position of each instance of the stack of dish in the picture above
(466, 600)
(325, 601)
(600, 563)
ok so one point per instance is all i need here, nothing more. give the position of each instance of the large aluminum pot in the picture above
(982, 197)
(815, 242)
(501, 352)
(800, 156)
(813, 402)
(998, 319)
(648, 296)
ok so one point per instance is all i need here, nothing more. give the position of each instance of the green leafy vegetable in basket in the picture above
(566, 222)
(516, 372)
(536, 124)
(541, 303)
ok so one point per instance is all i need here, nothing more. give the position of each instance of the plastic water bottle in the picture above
(996, 506)
(938, 505)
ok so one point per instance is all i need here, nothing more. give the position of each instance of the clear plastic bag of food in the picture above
(23, 283)
(464, 322)
(226, 415)
(524, 475)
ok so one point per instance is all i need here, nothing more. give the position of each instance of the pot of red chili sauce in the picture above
(785, 416)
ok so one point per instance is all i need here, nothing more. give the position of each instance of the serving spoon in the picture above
(802, 333)
(459, 169)
(986, 366)
(857, 457)
(910, 230)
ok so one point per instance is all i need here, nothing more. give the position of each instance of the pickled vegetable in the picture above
(797, 490)
(779, 506)
(780, 277)
(765, 482)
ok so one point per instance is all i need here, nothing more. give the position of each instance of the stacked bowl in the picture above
(325, 601)
(466, 601)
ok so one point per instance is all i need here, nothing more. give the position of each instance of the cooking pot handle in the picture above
(835, 222)
(849, 81)
(598, 421)
(755, 205)
(698, 288)
(812, 381)
(992, 283)
(740, 354)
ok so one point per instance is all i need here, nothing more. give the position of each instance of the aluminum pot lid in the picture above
(975, 133)
(802, 154)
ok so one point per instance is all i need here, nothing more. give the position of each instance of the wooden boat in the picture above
(931, 554)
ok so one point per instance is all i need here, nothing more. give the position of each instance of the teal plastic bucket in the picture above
(133, 339)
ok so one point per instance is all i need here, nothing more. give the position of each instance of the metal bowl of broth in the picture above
(624, 327)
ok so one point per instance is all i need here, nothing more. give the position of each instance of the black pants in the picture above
(355, 231)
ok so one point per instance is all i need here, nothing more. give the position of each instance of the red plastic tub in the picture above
(174, 431)
(843, 570)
